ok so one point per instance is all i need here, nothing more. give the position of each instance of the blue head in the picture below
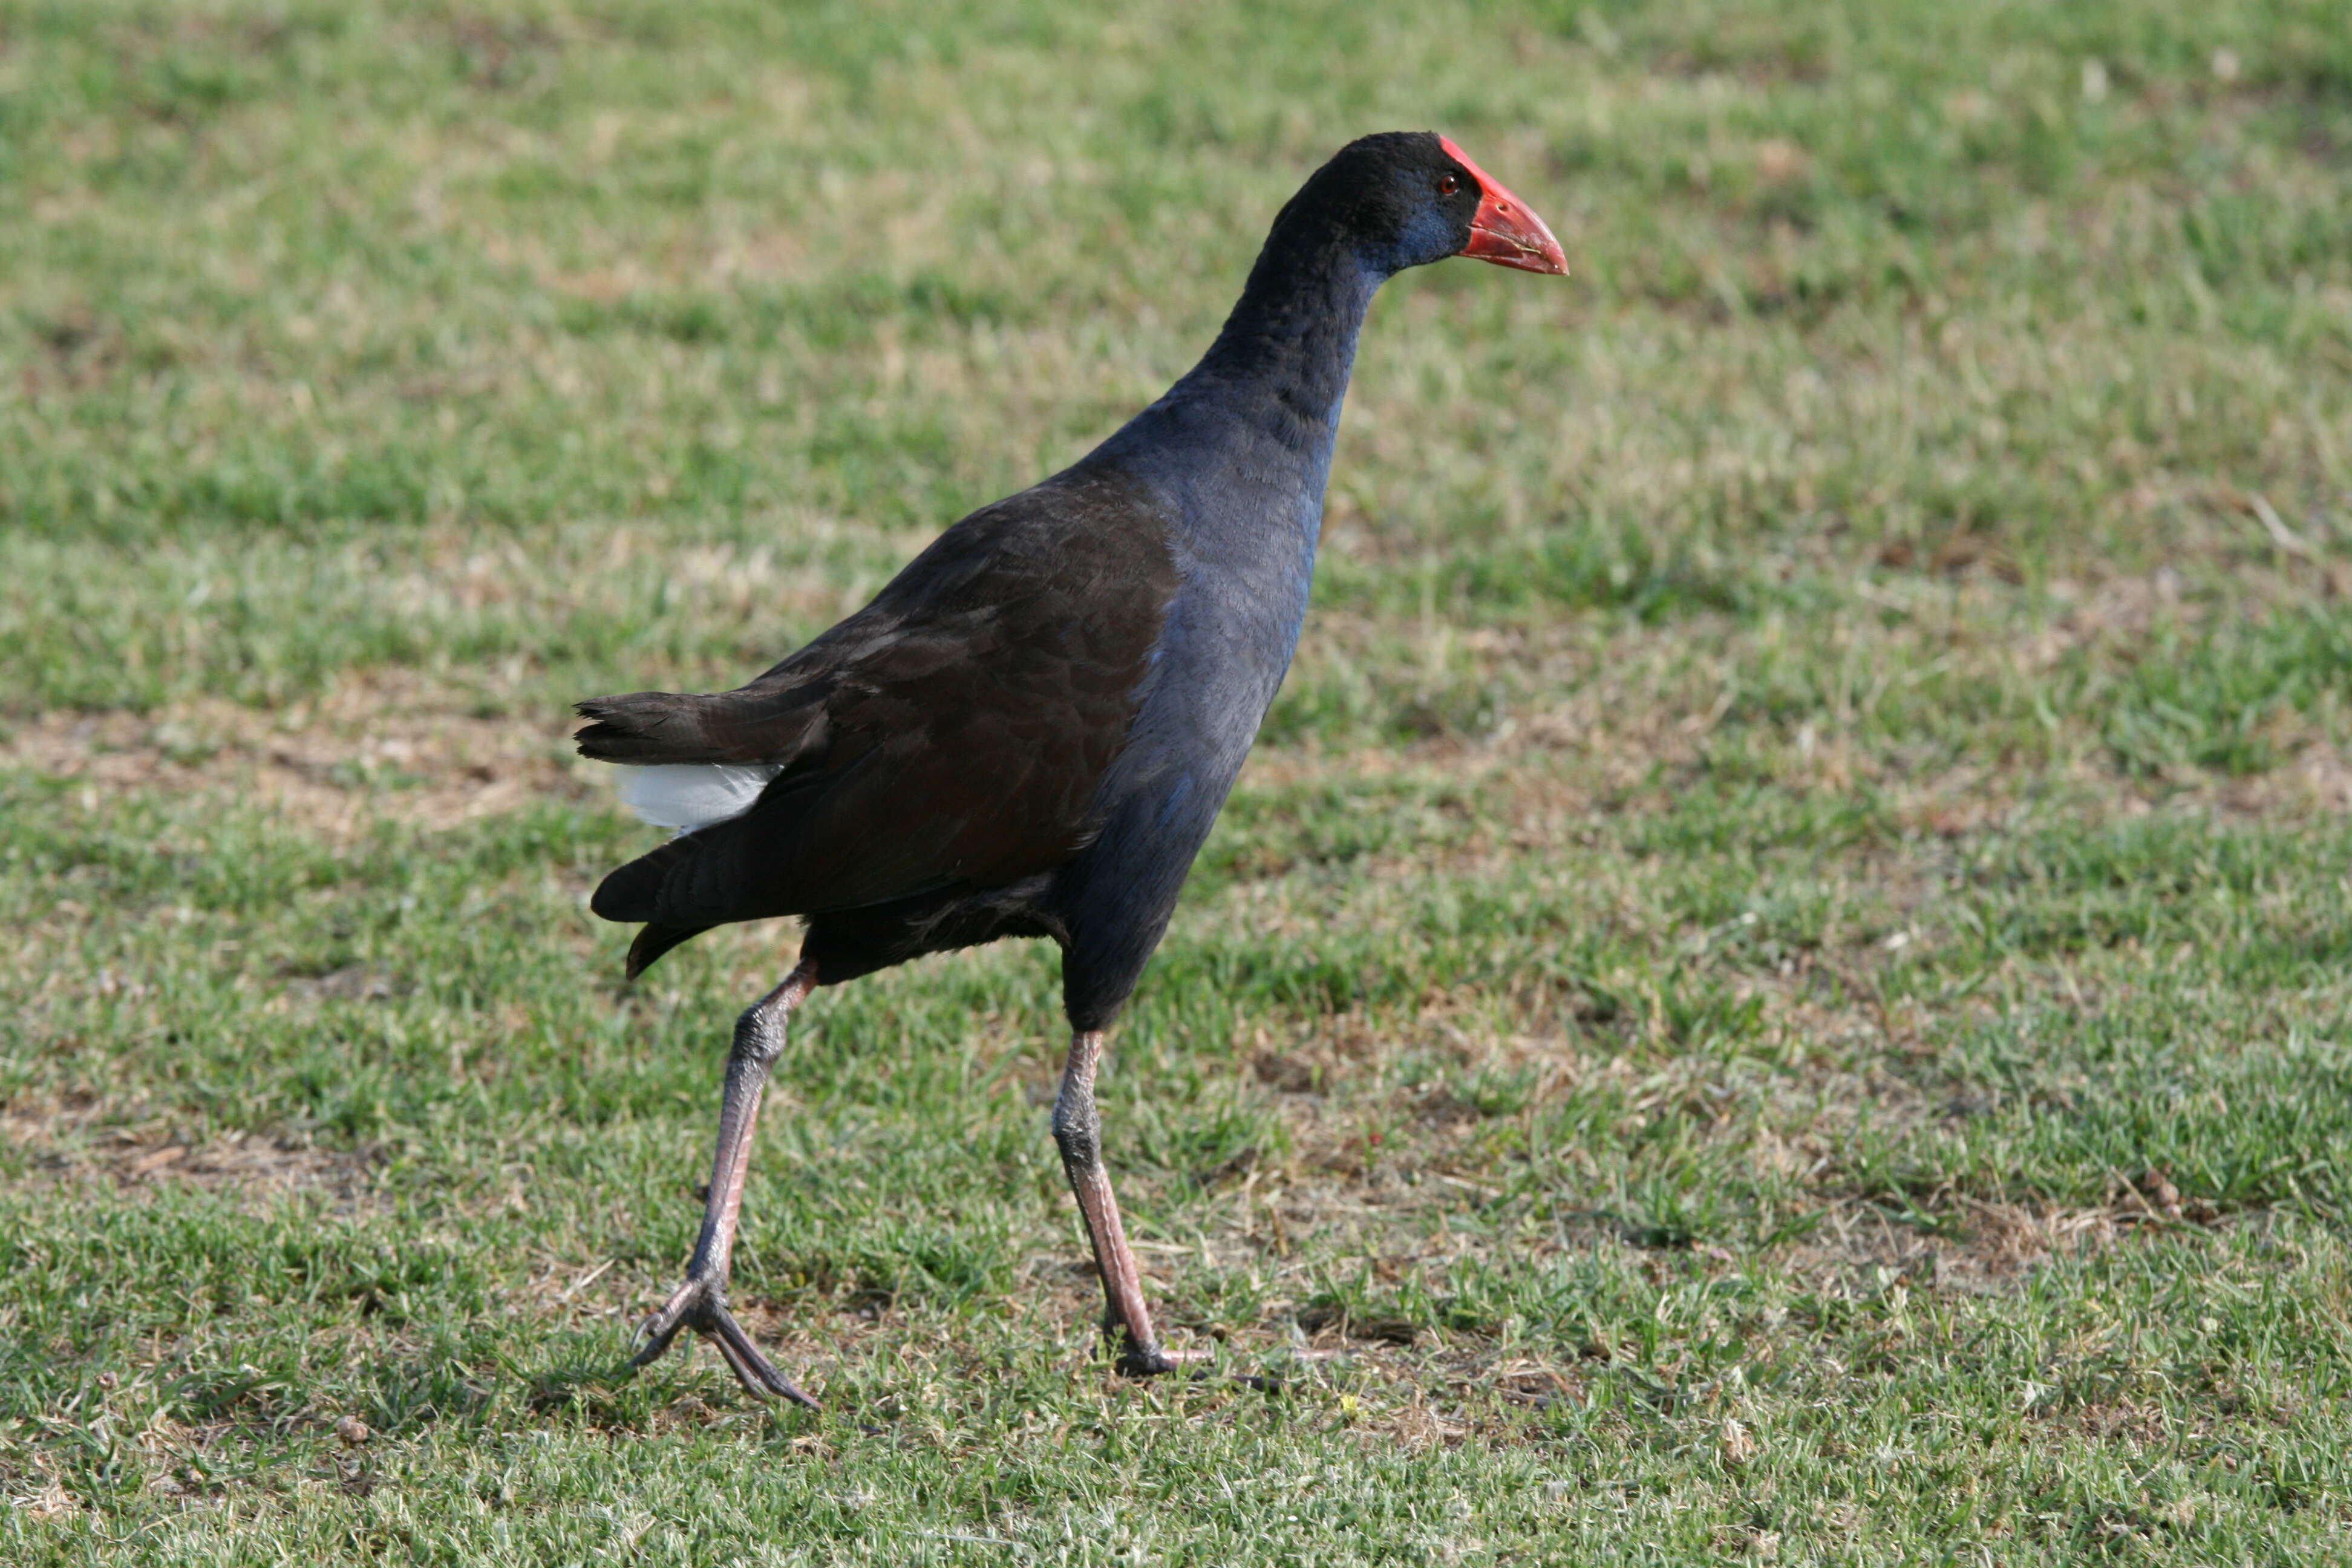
(1405, 199)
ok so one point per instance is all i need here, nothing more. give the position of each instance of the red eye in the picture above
(1447, 184)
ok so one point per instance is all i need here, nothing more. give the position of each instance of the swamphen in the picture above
(1030, 730)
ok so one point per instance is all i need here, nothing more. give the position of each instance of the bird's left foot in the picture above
(701, 1304)
(1151, 1361)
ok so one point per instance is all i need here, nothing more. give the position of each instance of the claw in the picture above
(701, 1304)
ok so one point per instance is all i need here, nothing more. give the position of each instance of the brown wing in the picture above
(952, 734)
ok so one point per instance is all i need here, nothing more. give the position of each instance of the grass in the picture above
(1777, 985)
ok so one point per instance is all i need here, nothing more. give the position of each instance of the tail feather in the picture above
(647, 727)
(655, 939)
(756, 724)
(706, 759)
(633, 893)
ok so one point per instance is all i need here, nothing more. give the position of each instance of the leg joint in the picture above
(1077, 1129)
(760, 1033)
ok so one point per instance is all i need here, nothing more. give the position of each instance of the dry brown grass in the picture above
(379, 745)
(89, 1139)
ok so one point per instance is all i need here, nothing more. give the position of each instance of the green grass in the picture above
(1778, 986)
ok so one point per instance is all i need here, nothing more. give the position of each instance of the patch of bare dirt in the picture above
(1861, 1250)
(2319, 780)
(383, 746)
(89, 1141)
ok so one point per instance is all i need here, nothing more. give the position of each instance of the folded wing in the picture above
(950, 734)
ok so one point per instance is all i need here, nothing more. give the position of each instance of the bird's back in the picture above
(951, 735)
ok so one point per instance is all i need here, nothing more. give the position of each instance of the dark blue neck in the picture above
(1266, 395)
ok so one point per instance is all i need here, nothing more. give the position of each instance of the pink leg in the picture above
(1078, 1130)
(700, 1303)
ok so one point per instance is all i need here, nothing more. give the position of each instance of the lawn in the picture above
(1778, 985)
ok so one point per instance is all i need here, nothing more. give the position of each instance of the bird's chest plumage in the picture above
(1244, 544)
(1244, 554)
(1244, 530)
(1236, 464)
(1231, 633)
(1228, 638)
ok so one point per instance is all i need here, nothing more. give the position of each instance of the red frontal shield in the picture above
(1505, 231)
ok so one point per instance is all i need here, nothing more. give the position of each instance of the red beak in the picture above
(1504, 231)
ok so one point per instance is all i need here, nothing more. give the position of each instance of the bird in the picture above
(1031, 729)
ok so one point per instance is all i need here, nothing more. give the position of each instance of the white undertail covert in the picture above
(688, 796)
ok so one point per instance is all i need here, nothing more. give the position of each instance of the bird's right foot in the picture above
(1157, 1361)
(701, 1304)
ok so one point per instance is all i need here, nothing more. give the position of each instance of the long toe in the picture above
(1194, 1363)
(701, 1304)
(754, 1370)
(1135, 1361)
